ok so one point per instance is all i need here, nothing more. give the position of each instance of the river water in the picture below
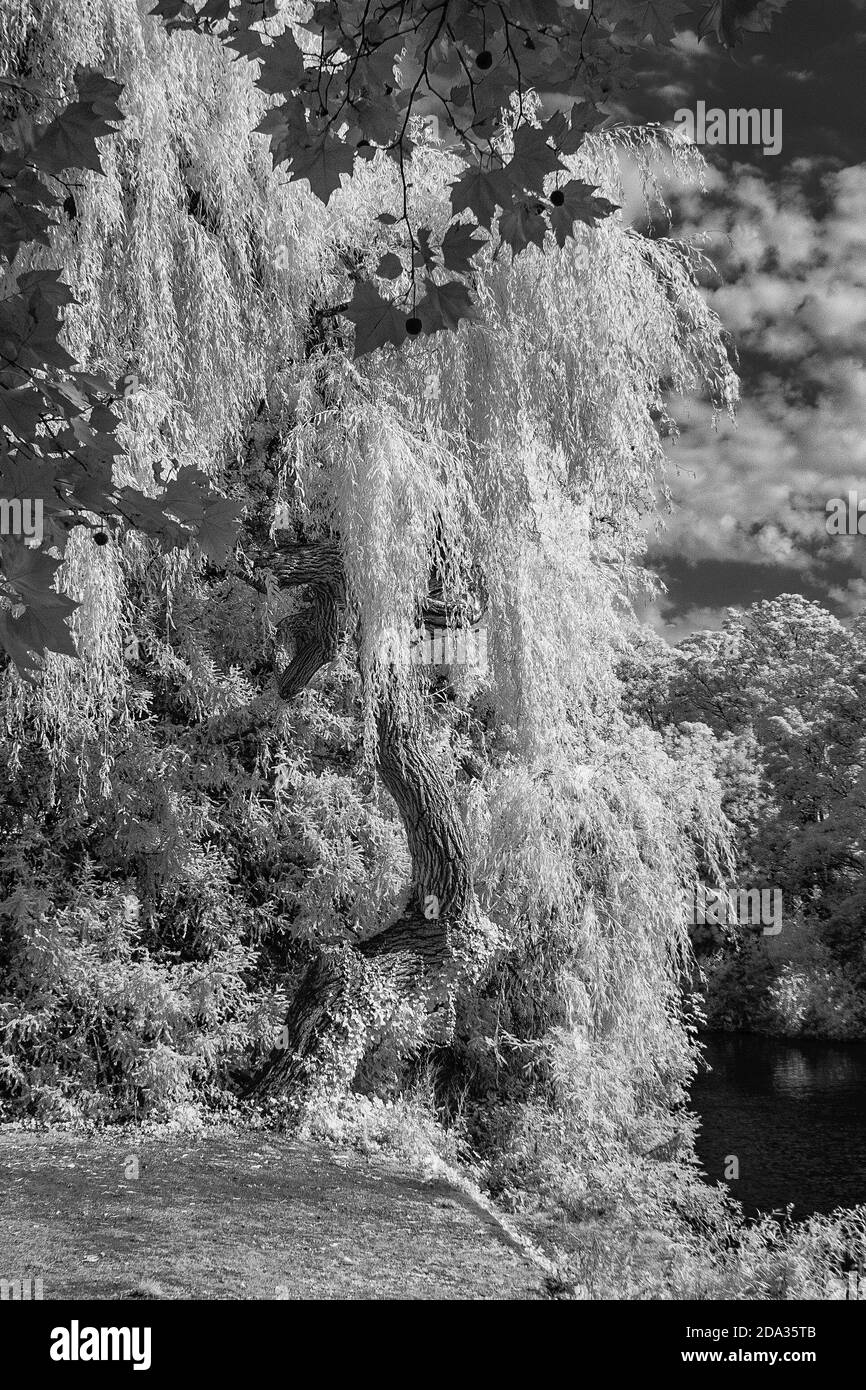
(794, 1116)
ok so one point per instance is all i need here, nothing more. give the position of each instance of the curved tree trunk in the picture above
(402, 983)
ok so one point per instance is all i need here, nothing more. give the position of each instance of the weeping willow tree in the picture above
(491, 480)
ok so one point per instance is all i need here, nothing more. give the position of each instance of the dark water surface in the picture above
(793, 1113)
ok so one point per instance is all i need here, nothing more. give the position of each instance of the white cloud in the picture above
(794, 295)
(852, 598)
(691, 47)
(673, 628)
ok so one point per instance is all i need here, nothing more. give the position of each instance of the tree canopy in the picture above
(511, 92)
(251, 839)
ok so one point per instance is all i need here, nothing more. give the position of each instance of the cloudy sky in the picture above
(788, 234)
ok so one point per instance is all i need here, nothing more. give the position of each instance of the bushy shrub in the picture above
(793, 989)
(96, 1024)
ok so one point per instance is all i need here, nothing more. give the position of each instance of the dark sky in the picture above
(788, 233)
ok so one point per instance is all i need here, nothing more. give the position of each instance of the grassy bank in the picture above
(227, 1215)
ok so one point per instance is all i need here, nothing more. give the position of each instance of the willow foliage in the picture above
(524, 449)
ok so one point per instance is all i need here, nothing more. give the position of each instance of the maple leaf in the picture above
(21, 410)
(287, 127)
(20, 224)
(568, 135)
(482, 192)
(105, 422)
(37, 344)
(92, 437)
(93, 381)
(534, 12)
(29, 188)
(322, 162)
(13, 641)
(390, 266)
(34, 478)
(219, 527)
(48, 284)
(69, 141)
(443, 306)
(282, 65)
(492, 96)
(42, 626)
(183, 498)
(377, 321)
(580, 204)
(100, 92)
(533, 159)
(147, 514)
(459, 245)
(37, 630)
(173, 11)
(31, 573)
(65, 394)
(518, 226)
(247, 42)
(425, 255)
(655, 19)
(380, 120)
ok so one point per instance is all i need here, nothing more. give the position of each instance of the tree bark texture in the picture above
(401, 984)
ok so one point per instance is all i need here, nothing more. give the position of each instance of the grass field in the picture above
(227, 1215)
